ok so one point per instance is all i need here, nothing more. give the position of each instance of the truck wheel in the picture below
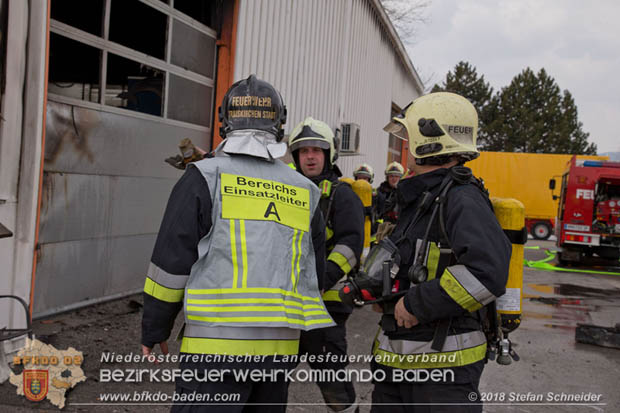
(541, 230)
(609, 253)
(561, 260)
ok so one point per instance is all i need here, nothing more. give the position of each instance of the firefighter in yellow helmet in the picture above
(315, 152)
(225, 249)
(386, 193)
(453, 260)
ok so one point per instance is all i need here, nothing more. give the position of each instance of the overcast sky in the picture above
(577, 42)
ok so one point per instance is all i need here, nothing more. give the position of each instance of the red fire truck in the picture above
(588, 219)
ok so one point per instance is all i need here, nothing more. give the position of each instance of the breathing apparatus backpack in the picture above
(373, 282)
(363, 190)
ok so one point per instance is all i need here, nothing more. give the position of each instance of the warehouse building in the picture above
(95, 95)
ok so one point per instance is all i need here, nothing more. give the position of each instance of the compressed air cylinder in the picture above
(511, 216)
(364, 191)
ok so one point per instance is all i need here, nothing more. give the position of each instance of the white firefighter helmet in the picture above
(364, 170)
(395, 168)
(313, 132)
(438, 124)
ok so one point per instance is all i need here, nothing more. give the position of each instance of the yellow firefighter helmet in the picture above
(438, 124)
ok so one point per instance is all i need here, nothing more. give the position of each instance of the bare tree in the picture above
(406, 16)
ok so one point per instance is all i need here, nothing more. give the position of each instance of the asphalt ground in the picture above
(552, 365)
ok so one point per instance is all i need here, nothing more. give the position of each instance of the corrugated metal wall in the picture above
(105, 187)
(332, 60)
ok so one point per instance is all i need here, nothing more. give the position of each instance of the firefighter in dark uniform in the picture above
(242, 250)
(454, 260)
(314, 152)
(386, 193)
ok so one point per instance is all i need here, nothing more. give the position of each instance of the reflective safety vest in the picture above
(254, 285)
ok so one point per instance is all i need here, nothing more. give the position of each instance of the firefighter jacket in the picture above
(344, 218)
(386, 201)
(241, 244)
(459, 283)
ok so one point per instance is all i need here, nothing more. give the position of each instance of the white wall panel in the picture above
(333, 60)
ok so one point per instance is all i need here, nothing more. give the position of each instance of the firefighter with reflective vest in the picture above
(315, 152)
(241, 249)
(453, 261)
(386, 193)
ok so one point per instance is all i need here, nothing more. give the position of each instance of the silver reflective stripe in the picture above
(206, 297)
(165, 279)
(224, 304)
(471, 284)
(242, 333)
(453, 343)
(243, 313)
(292, 323)
(347, 253)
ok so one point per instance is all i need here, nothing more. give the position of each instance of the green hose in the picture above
(544, 265)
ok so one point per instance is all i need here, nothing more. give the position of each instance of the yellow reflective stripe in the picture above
(432, 261)
(293, 259)
(331, 295)
(252, 301)
(259, 319)
(250, 290)
(244, 254)
(298, 258)
(254, 308)
(458, 293)
(430, 360)
(233, 249)
(328, 233)
(160, 292)
(197, 345)
(340, 261)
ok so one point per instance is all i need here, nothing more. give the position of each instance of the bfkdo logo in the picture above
(36, 384)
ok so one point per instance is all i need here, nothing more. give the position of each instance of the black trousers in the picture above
(231, 395)
(402, 397)
(337, 395)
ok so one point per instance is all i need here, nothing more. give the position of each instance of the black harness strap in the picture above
(517, 236)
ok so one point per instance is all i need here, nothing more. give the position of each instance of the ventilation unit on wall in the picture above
(350, 138)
